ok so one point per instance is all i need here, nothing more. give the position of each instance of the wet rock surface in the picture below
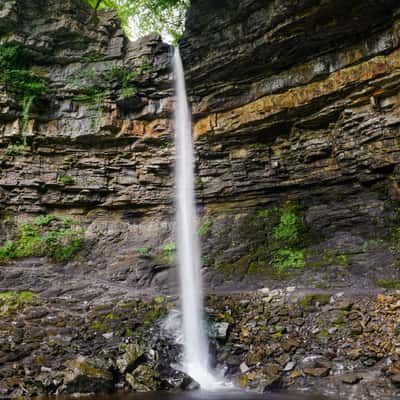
(316, 125)
(294, 342)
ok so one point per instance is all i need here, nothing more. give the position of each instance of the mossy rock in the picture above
(311, 301)
(133, 353)
(86, 376)
(143, 379)
(12, 302)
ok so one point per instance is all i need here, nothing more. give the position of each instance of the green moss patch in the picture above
(25, 82)
(310, 301)
(390, 284)
(329, 258)
(205, 228)
(47, 236)
(17, 74)
(10, 302)
(277, 237)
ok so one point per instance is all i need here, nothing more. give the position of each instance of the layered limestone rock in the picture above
(98, 142)
(297, 101)
(295, 117)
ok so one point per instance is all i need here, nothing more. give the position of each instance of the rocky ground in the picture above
(343, 345)
(278, 118)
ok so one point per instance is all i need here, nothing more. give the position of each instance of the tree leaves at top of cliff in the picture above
(140, 17)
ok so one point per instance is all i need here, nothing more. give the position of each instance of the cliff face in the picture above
(98, 142)
(296, 118)
(296, 112)
(298, 101)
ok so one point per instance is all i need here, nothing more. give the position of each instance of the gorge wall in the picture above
(298, 101)
(296, 111)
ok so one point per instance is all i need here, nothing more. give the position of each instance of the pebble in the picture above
(244, 368)
(351, 379)
(289, 366)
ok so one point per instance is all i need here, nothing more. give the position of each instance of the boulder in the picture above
(85, 376)
(143, 379)
(130, 358)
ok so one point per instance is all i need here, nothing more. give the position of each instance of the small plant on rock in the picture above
(10, 302)
(66, 180)
(169, 251)
(143, 251)
(289, 258)
(205, 228)
(44, 220)
(17, 149)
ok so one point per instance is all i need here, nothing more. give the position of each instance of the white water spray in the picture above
(196, 355)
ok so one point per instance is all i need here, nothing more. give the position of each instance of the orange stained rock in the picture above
(133, 128)
(269, 105)
(158, 127)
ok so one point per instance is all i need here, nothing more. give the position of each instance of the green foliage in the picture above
(287, 238)
(16, 149)
(154, 314)
(6, 251)
(93, 57)
(289, 258)
(66, 180)
(128, 92)
(169, 248)
(343, 260)
(17, 297)
(16, 73)
(264, 213)
(277, 238)
(290, 225)
(18, 78)
(169, 251)
(59, 242)
(159, 300)
(124, 75)
(205, 228)
(10, 302)
(62, 245)
(87, 84)
(29, 243)
(143, 251)
(44, 220)
(390, 284)
(140, 17)
(92, 94)
(68, 222)
(329, 258)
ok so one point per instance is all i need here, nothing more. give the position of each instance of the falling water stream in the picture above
(196, 354)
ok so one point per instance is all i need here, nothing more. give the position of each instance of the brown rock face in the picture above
(297, 101)
(296, 118)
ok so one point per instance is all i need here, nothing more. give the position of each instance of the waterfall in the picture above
(196, 355)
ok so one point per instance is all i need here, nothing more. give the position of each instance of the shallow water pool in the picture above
(199, 395)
